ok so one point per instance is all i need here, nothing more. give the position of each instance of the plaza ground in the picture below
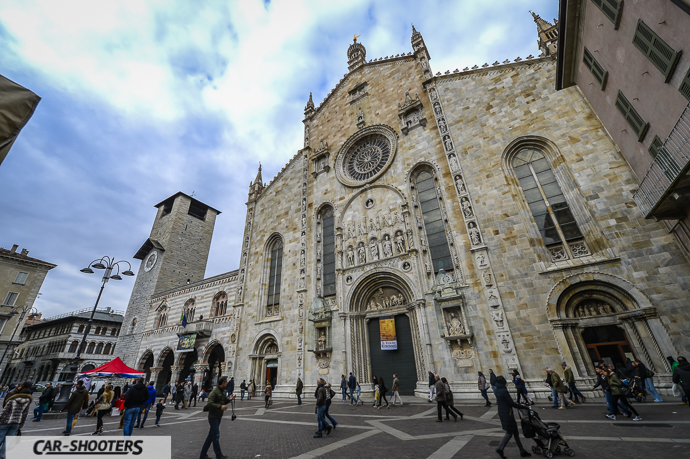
(285, 431)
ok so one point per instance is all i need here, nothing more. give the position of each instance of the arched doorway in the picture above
(384, 297)
(265, 368)
(599, 317)
(187, 361)
(145, 364)
(166, 359)
(215, 356)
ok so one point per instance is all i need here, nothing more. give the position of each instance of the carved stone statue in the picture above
(302, 279)
(432, 94)
(374, 250)
(362, 252)
(387, 246)
(427, 266)
(454, 163)
(497, 317)
(350, 256)
(448, 143)
(318, 270)
(455, 328)
(473, 232)
(466, 208)
(322, 341)
(373, 226)
(361, 229)
(351, 232)
(360, 115)
(397, 218)
(488, 278)
(442, 125)
(400, 243)
(302, 259)
(385, 221)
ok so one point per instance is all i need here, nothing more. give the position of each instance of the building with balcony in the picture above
(631, 61)
(21, 278)
(46, 348)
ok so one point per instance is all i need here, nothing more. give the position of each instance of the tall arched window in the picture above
(90, 349)
(106, 351)
(99, 348)
(274, 278)
(81, 329)
(425, 184)
(327, 221)
(73, 346)
(189, 309)
(550, 210)
(162, 317)
(220, 304)
(98, 331)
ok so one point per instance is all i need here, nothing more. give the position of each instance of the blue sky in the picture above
(141, 99)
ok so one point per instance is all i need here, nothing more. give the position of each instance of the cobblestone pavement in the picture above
(285, 431)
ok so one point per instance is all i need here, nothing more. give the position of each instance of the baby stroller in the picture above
(633, 389)
(546, 435)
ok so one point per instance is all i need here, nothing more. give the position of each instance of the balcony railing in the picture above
(202, 328)
(659, 195)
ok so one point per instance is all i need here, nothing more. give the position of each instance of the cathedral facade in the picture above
(450, 223)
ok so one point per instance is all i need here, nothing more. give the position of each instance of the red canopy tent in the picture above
(116, 368)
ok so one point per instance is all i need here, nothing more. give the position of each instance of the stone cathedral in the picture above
(449, 222)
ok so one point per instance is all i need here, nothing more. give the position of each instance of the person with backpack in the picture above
(14, 413)
(147, 406)
(645, 375)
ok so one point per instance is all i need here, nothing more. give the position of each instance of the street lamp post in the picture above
(14, 312)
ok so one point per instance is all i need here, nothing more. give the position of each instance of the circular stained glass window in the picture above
(365, 156)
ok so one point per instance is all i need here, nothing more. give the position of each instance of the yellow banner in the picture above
(389, 341)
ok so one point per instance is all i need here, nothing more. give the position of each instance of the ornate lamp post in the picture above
(14, 312)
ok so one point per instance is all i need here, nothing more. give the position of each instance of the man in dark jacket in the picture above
(166, 392)
(441, 400)
(78, 399)
(298, 391)
(137, 396)
(151, 402)
(432, 386)
(569, 378)
(321, 399)
(352, 385)
(217, 404)
(681, 374)
(231, 386)
(195, 392)
(243, 388)
(46, 397)
(505, 413)
(492, 381)
(179, 395)
(14, 414)
(343, 387)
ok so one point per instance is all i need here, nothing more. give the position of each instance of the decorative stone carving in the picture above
(481, 260)
(466, 208)
(320, 159)
(579, 249)
(374, 249)
(411, 113)
(406, 266)
(360, 118)
(362, 252)
(558, 253)
(400, 242)
(488, 278)
(448, 143)
(454, 323)
(387, 246)
(384, 300)
(497, 316)
(453, 160)
(369, 203)
(506, 345)
(593, 308)
(366, 155)
(350, 256)
(474, 234)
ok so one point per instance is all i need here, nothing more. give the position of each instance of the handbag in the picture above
(104, 406)
(677, 390)
(487, 386)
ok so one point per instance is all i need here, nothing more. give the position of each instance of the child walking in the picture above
(159, 410)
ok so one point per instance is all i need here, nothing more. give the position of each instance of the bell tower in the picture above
(175, 254)
(548, 35)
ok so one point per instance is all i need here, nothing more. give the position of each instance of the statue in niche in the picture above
(304, 204)
(373, 226)
(497, 317)
(488, 281)
(318, 290)
(410, 239)
(361, 229)
(302, 279)
(306, 136)
(460, 184)
(386, 302)
(473, 232)
(432, 93)
(419, 221)
(414, 198)
(454, 163)
(424, 65)
(304, 221)
(374, 249)
(455, 327)
(466, 208)
(427, 266)
(442, 125)
(322, 341)
(351, 232)
(396, 218)
(408, 99)
(239, 292)
(437, 108)
(318, 270)
(481, 259)
(302, 259)
(400, 242)
(303, 238)
(242, 275)
(246, 242)
(301, 327)
(448, 143)
(384, 221)
(350, 256)
(362, 252)
(442, 208)
(387, 246)
(318, 235)
(318, 253)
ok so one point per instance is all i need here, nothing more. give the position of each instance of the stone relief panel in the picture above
(385, 298)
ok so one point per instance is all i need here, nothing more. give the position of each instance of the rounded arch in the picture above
(148, 354)
(210, 349)
(88, 366)
(263, 337)
(219, 304)
(384, 135)
(365, 286)
(366, 189)
(321, 207)
(162, 356)
(526, 142)
(418, 167)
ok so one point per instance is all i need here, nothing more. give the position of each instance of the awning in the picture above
(116, 368)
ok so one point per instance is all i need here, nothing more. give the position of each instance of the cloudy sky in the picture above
(141, 99)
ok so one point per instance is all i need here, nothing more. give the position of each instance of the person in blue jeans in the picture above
(328, 404)
(43, 402)
(14, 413)
(137, 396)
(554, 396)
(147, 406)
(217, 404)
(321, 400)
(352, 385)
(78, 399)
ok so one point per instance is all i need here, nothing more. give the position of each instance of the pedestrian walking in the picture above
(343, 387)
(44, 401)
(159, 411)
(321, 397)
(358, 393)
(395, 395)
(166, 391)
(243, 388)
(384, 390)
(330, 393)
(104, 406)
(646, 378)
(298, 391)
(521, 388)
(569, 378)
(231, 386)
(195, 392)
(432, 386)
(492, 381)
(681, 375)
(78, 399)
(615, 385)
(483, 387)
(250, 389)
(505, 414)
(14, 413)
(137, 396)
(352, 385)
(179, 395)
(602, 381)
(554, 397)
(560, 391)
(173, 392)
(187, 394)
(268, 391)
(450, 400)
(441, 400)
(147, 405)
(217, 404)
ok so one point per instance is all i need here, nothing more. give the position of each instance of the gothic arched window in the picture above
(162, 317)
(274, 277)
(425, 185)
(189, 309)
(106, 351)
(220, 304)
(550, 210)
(328, 269)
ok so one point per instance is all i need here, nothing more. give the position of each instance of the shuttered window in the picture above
(597, 70)
(637, 124)
(685, 86)
(654, 147)
(612, 9)
(657, 51)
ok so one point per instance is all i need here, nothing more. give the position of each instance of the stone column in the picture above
(176, 369)
(200, 369)
(155, 371)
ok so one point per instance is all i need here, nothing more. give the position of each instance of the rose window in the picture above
(365, 158)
